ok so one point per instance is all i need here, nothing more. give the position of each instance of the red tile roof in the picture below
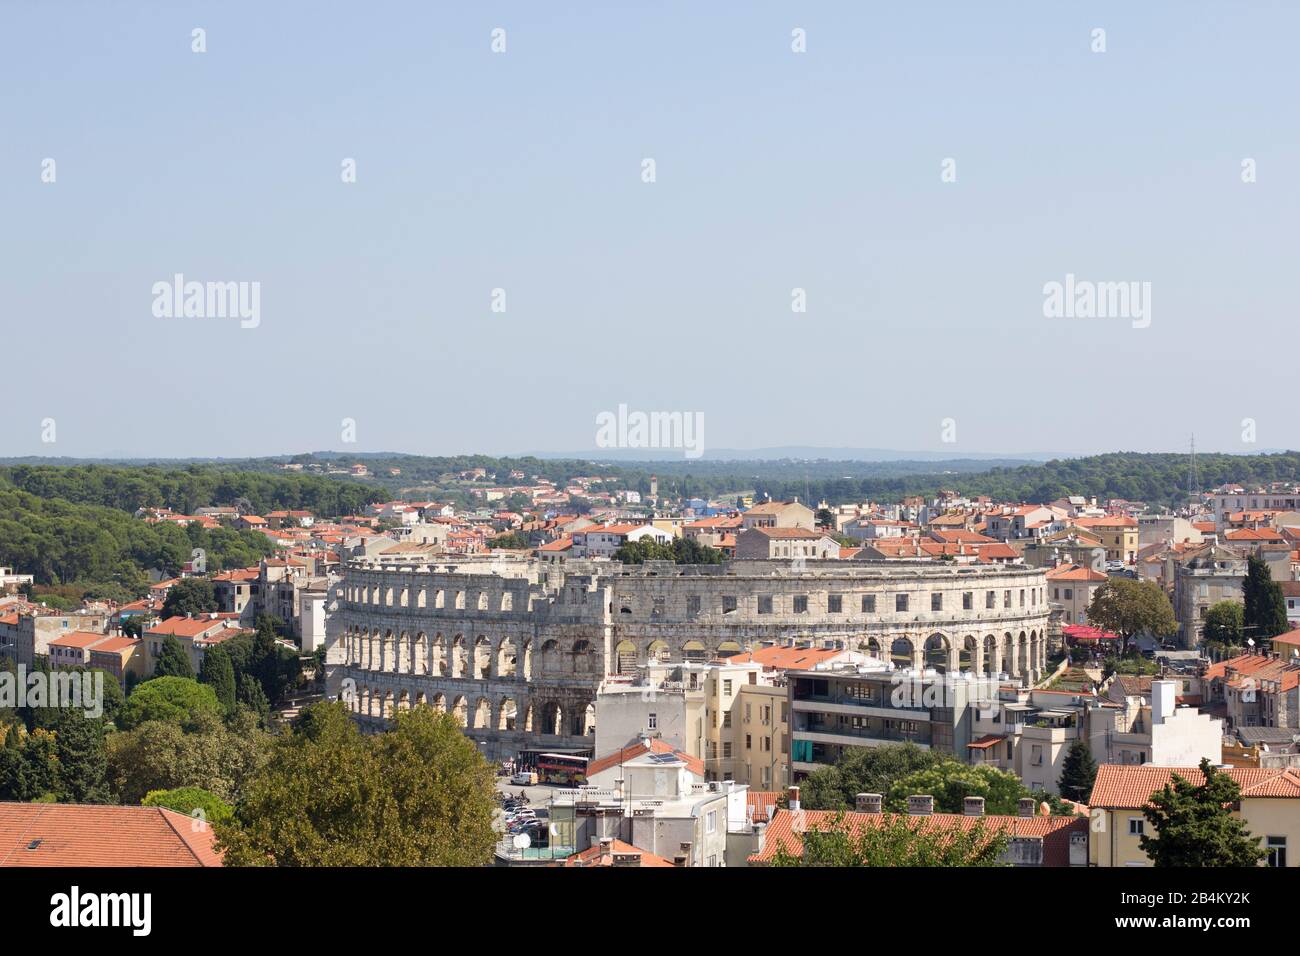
(637, 748)
(595, 855)
(1054, 831)
(1130, 788)
(67, 834)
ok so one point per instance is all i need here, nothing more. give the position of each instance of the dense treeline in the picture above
(1158, 479)
(61, 542)
(185, 489)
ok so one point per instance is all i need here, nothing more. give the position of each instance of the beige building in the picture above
(785, 543)
(35, 631)
(1072, 586)
(779, 514)
(1270, 807)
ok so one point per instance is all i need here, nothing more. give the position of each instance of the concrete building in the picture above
(1202, 578)
(1159, 733)
(779, 514)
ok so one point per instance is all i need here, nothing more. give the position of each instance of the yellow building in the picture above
(1118, 534)
(1270, 807)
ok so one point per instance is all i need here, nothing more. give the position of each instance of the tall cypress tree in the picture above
(1265, 611)
(1078, 773)
(219, 673)
(172, 660)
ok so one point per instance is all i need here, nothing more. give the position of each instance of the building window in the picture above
(989, 600)
(1277, 851)
(726, 745)
(834, 604)
(936, 601)
(801, 604)
(746, 711)
(653, 721)
(711, 821)
(900, 602)
(1135, 825)
(869, 604)
(693, 605)
(726, 720)
(726, 688)
(728, 603)
(748, 741)
(968, 600)
(1006, 598)
(765, 604)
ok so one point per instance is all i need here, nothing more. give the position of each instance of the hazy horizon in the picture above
(824, 171)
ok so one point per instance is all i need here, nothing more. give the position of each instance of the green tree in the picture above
(950, 782)
(218, 673)
(1223, 626)
(895, 841)
(179, 700)
(417, 795)
(190, 596)
(1194, 824)
(191, 801)
(1078, 773)
(253, 699)
(1264, 614)
(862, 770)
(82, 758)
(215, 755)
(172, 660)
(1129, 607)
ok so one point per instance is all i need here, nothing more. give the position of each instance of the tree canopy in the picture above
(419, 794)
(1195, 826)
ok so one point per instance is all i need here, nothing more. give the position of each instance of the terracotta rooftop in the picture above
(1130, 788)
(64, 834)
(1055, 831)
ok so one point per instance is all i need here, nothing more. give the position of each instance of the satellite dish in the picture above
(522, 841)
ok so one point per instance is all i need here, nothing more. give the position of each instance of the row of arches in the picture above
(503, 713)
(377, 595)
(1020, 654)
(464, 657)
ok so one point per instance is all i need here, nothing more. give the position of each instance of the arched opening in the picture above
(482, 658)
(460, 710)
(507, 658)
(729, 649)
(657, 652)
(482, 714)
(459, 656)
(420, 654)
(694, 651)
(900, 652)
(507, 714)
(625, 657)
(936, 652)
(551, 657)
(582, 657)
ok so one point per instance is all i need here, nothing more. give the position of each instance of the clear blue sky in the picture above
(775, 170)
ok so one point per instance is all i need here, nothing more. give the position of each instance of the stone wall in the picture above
(517, 649)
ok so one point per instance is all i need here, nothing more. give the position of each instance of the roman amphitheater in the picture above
(516, 648)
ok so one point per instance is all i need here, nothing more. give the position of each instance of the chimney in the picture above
(920, 805)
(973, 807)
(869, 802)
(1027, 806)
(793, 798)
